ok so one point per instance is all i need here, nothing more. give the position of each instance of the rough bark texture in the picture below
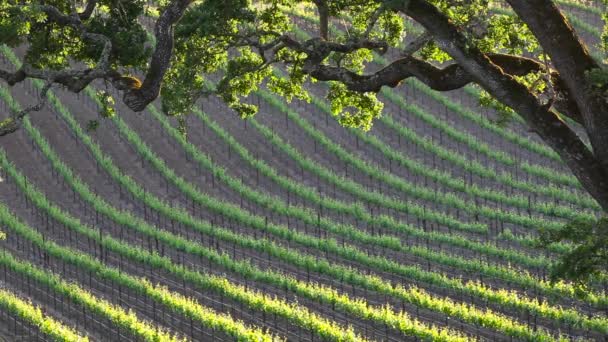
(138, 99)
(448, 78)
(572, 60)
(86, 14)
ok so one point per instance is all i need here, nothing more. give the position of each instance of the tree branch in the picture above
(13, 78)
(14, 122)
(317, 49)
(74, 80)
(451, 77)
(447, 78)
(506, 89)
(86, 14)
(417, 44)
(138, 99)
(323, 18)
(572, 59)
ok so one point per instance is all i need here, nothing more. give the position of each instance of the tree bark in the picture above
(86, 14)
(323, 18)
(138, 99)
(572, 60)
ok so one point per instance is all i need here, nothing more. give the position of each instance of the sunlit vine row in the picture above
(32, 314)
(357, 307)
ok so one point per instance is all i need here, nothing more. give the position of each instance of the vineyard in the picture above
(287, 225)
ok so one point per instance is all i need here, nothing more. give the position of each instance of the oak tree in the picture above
(524, 55)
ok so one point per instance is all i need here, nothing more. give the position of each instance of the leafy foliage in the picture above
(366, 106)
(239, 42)
(106, 101)
(225, 37)
(202, 40)
(54, 46)
(243, 74)
(590, 256)
(16, 23)
(509, 34)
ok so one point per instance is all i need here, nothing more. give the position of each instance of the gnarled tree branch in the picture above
(317, 49)
(585, 166)
(14, 122)
(75, 80)
(447, 78)
(572, 59)
(13, 78)
(417, 44)
(86, 14)
(138, 99)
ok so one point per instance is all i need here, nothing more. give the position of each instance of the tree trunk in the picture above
(583, 163)
(572, 59)
(323, 19)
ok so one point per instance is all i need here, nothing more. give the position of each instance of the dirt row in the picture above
(78, 209)
(186, 203)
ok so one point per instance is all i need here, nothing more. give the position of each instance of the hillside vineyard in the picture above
(287, 225)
